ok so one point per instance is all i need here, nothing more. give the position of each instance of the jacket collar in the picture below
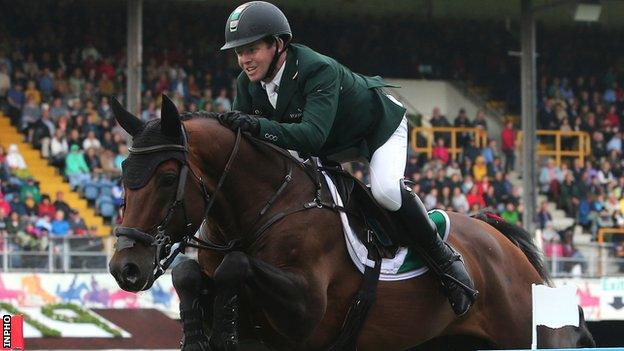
(287, 85)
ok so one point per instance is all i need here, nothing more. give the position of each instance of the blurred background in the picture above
(472, 88)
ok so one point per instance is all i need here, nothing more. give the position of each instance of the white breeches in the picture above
(387, 168)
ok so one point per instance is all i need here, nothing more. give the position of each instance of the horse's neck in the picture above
(255, 175)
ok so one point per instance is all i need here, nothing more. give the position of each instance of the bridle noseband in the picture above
(128, 236)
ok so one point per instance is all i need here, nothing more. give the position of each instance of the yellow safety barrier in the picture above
(602, 232)
(478, 134)
(582, 150)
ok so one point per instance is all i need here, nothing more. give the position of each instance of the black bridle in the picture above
(128, 236)
(163, 256)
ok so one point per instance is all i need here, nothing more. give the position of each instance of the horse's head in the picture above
(163, 198)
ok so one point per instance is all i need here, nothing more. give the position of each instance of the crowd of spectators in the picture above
(56, 84)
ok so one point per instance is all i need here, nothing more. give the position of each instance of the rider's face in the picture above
(255, 59)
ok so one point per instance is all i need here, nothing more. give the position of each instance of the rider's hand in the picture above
(236, 119)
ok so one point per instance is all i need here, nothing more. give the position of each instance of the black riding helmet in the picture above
(253, 21)
(256, 20)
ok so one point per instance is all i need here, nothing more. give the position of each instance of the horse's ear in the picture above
(169, 118)
(126, 120)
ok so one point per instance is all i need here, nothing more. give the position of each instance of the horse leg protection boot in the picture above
(229, 279)
(421, 234)
(193, 289)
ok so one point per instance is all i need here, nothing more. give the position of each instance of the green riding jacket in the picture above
(322, 107)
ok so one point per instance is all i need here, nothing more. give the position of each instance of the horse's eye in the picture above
(168, 179)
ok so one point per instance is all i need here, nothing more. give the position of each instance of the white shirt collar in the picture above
(278, 77)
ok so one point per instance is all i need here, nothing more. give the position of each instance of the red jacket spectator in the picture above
(474, 197)
(508, 138)
(4, 205)
(440, 151)
(46, 208)
(106, 68)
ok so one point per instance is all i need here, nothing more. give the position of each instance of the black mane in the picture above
(151, 134)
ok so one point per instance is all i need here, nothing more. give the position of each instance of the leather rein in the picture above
(163, 256)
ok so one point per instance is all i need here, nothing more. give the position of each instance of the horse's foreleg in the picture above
(291, 302)
(193, 288)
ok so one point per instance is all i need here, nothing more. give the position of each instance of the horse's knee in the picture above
(187, 276)
(233, 270)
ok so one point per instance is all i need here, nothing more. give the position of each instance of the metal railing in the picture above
(57, 255)
(552, 144)
(429, 133)
(596, 260)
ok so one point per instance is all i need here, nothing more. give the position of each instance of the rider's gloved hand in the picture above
(236, 119)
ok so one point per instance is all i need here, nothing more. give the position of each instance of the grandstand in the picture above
(61, 150)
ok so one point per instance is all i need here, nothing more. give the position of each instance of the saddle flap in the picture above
(357, 198)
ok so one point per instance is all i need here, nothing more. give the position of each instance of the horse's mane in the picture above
(520, 237)
(198, 114)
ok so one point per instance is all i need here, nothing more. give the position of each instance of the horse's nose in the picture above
(130, 273)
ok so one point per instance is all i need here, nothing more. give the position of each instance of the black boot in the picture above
(194, 338)
(421, 234)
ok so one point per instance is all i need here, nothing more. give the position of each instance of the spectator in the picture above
(76, 168)
(18, 206)
(60, 226)
(441, 152)
(58, 149)
(60, 204)
(4, 205)
(31, 114)
(543, 215)
(508, 140)
(479, 170)
(223, 101)
(16, 100)
(479, 121)
(91, 141)
(459, 202)
(439, 120)
(46, 207)
(30, 188)
(76, 224)
(431, 199)
(462, 121)
(549, 178)
(511, 214)
(490, 151)
(475, 198)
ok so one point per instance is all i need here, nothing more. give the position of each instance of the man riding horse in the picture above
(301, 100)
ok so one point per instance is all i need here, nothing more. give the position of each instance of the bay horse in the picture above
(296, 279)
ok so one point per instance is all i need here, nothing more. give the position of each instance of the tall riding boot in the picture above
(420, 233)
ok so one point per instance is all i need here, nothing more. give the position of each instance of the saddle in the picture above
(358, 199)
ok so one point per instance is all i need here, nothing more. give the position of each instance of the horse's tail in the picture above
(519, 237)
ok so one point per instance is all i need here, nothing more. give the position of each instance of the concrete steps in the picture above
(50, 181)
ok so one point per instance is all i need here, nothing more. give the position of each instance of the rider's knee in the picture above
(387, 193)
(233, 270)
(186, 275)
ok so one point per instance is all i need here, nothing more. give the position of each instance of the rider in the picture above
(301, 100)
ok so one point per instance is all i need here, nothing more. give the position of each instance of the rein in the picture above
(128, 236)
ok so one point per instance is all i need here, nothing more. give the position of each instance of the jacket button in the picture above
(256, 112)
